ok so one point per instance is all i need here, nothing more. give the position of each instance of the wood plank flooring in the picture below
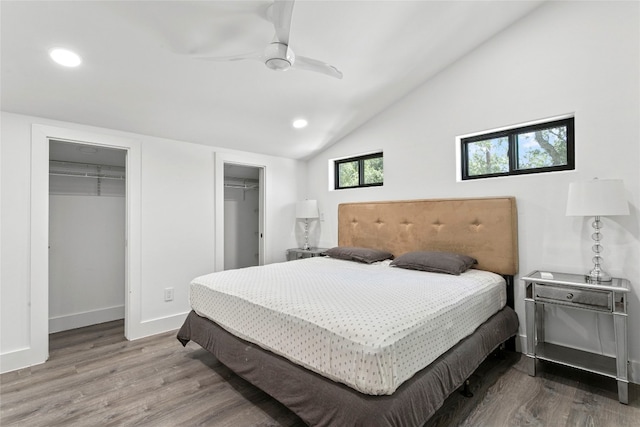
(94, 377)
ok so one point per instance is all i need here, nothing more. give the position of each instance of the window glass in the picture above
(361, 171)
(488, 156)
(373, 171)
(543, 147)
(348, 174)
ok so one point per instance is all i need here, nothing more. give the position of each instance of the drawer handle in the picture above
(569, 296)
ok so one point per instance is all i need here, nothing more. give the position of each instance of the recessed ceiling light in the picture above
(300, 123)
(65, 57)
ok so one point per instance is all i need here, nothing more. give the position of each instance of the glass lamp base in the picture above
(306, 235)
(597, 275)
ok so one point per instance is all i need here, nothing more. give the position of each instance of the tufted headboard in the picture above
(484, 228)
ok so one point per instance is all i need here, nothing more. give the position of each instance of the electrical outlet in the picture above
(168, 294)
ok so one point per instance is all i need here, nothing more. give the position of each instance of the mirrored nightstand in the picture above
(297, 253)
(576, 292)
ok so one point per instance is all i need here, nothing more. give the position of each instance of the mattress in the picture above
(370, 327)
(320, 402)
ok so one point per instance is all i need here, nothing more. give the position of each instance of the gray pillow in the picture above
(365, 255)
(437, 262)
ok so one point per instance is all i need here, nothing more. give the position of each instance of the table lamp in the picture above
(307, 210)
(596, 198)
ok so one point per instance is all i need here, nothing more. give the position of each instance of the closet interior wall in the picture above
(87, 206)
(241, 216)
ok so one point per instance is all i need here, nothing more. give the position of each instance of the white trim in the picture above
(218, 184)
(39, 247)
(218, 211)
(160, 325)
(133, 260)
(365, 153)
(634, 372)
(38, 351)
(518, 125)
(262, 179)
(521, 343)
(17, 359)
(79, 320)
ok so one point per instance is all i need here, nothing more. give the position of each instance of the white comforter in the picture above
(371, 327)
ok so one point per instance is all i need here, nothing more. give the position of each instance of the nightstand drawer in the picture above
(296, 253)
(575, 297)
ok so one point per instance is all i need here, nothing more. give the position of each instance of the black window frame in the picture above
(512, 151)
(360, 160)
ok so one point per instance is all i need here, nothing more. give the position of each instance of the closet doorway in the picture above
(243, 216)
(87, 234)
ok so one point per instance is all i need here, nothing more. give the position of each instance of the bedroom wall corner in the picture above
(175, 206)
(598, 82)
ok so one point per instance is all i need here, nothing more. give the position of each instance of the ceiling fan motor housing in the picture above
(278, 56)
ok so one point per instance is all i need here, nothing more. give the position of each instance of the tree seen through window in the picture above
(362, 171)
(538, 148)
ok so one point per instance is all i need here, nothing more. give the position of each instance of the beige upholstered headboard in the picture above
(484, 228)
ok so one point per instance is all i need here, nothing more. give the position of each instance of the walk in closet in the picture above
(241, 216)
(87, 205)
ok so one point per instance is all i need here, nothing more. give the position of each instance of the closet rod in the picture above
(68, 162)
(242, 180)
(241, 183)
(94, 176)
(242, 186)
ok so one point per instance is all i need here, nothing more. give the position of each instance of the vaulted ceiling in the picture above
(139, 72)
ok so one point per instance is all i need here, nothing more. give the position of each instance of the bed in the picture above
(289, 359)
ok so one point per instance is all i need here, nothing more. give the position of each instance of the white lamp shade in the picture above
(598, 197)
(307, 209)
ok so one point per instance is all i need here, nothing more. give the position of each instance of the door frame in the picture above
(39, 239)
(80, 319)
(219, 161)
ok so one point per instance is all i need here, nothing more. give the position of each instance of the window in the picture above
(543, 147)
(362, 171)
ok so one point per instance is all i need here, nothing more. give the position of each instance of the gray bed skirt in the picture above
(319, 401)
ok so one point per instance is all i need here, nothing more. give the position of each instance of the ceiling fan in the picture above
(278, 55)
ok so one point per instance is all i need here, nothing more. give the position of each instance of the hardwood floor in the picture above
(505, 395)
(94, 377)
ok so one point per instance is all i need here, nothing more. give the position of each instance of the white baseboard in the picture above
(156, 326)
(634, 367)
(634, 372)
(521, 343)
(15, 360)
(79, 320)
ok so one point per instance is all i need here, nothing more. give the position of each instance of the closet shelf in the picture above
(241, 183)
(241, 187)
(87, 175)
(86, 170)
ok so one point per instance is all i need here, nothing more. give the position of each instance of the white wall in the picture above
(86, 260)
(566, 57)
(176, 226)
(240, 228)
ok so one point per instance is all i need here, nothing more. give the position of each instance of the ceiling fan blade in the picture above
(252, 55)
(309, 64)
(281, 13)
